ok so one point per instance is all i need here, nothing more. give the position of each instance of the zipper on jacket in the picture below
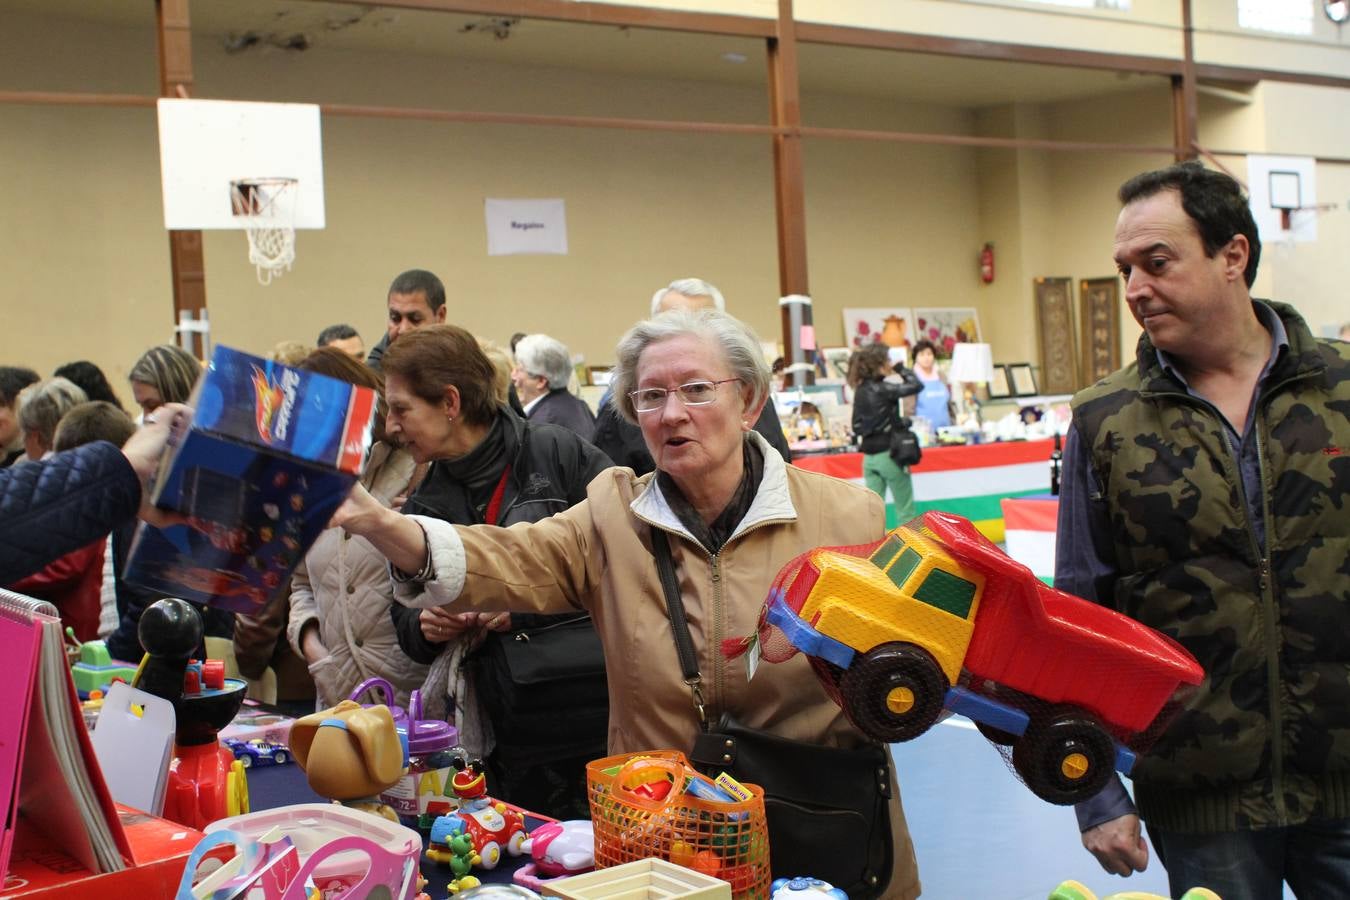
(720, 621)
(719, 626)
(1265, 585)
(1270, 610)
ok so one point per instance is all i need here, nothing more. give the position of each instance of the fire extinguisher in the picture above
(987, 264)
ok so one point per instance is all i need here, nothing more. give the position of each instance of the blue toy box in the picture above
(270, 454)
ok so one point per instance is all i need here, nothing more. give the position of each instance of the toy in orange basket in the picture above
(205, 783)
(1073, 890)
(935, 617)
(350, 753)
(654, 804)
(491, 825)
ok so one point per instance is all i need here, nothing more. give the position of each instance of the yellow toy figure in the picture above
(1073, 890)
(350, 753)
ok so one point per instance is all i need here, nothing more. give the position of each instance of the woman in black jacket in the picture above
(876, 416)
(488, 465)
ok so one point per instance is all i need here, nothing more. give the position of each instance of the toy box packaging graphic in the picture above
(270, 454)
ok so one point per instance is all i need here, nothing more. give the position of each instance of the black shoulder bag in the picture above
(828, 808)
(905, 449)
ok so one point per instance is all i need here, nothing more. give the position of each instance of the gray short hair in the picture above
(42, 405)
(540, 354)
(738, 342)
(690, 287)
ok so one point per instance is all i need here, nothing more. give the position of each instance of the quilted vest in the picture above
(1266, 739)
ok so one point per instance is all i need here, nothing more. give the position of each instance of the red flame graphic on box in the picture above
(267, 402)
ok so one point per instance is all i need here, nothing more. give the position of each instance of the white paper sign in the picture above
(1277, 183)
(525, 226)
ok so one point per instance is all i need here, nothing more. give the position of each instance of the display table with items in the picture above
(969, 481)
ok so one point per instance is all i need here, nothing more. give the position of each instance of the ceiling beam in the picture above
(590, 14)
(871, 38)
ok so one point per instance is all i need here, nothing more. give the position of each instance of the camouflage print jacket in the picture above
(1266, 741)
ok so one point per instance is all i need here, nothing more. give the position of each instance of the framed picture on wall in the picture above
(1099, 315)
(1022, 379)
(947, 326)
(1000, 387)
(836, 361)
(1054, 321)
(890, 325)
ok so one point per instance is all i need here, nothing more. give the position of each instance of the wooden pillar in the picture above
(1185, 107)
(175, 80)
(789, 193)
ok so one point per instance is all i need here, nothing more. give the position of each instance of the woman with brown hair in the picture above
(488, 465)
(339, 620)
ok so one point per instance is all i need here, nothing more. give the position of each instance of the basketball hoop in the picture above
(267, 208)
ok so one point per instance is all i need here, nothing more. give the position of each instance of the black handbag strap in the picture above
(679, 623)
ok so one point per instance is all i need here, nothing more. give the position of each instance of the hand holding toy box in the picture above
(269, 455)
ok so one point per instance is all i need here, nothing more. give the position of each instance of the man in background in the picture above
(541, 374)
(345, 338)
(416, 298)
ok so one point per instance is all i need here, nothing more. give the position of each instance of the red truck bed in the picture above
(1060, 648)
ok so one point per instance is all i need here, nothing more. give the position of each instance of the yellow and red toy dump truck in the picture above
(935, 617)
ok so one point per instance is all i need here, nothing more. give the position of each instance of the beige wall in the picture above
(86, 272)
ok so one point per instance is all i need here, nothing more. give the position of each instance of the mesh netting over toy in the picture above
(267, 208)
(934, 619)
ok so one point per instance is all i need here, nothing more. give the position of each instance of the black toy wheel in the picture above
(1065, 758)
(246, 761)
(280, 757)
(894, 693)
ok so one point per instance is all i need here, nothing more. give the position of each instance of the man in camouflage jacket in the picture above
(1207, 494)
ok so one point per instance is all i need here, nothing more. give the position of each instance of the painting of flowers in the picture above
(946, 327)
(891, 326)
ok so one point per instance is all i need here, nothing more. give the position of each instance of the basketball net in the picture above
(267, 208)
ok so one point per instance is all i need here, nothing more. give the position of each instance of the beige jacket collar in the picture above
(772, 503)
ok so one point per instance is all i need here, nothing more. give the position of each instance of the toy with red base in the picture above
(492, 825)
(935, 616)
(205, 782)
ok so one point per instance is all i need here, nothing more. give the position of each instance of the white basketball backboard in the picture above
(1283, 196)
(206, 144)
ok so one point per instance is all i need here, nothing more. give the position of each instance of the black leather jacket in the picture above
(876, 409)
(550, 468)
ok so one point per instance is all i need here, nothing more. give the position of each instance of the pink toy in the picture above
(558, 849)
(336, 845)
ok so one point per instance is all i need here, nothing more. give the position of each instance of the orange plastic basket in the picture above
(641, 809)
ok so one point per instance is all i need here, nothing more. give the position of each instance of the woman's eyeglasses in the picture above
(693, 393)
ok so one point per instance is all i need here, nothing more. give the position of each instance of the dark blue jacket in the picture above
(51, 507)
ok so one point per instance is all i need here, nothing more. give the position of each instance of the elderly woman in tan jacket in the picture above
(340, 593)
(734, 513)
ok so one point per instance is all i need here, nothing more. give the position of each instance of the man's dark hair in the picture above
(91, 378)
(415, 280)
(336, 333)
(14, 379)
(1214, 201)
